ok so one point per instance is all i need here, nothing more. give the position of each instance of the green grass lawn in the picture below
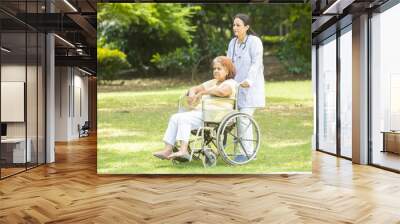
(131, 126)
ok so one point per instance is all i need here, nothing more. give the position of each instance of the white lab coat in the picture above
(248, 61)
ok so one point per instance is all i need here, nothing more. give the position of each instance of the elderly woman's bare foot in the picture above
(182, 156)
(162, 154)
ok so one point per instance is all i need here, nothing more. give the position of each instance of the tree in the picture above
(166, 39)
(143, 30)
(295, 51)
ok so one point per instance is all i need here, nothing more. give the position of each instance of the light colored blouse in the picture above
(213, 84)
(248, 60)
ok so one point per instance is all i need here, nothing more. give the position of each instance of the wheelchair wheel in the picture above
(238, 138)
(210, 159)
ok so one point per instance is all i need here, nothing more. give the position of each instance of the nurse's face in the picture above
(219, 72)
(239, 29)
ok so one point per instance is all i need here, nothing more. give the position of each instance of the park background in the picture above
(150, 53)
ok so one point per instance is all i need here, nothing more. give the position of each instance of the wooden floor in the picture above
(70, 191)
(10, 171)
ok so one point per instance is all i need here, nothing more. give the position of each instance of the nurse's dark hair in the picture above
(247, 21)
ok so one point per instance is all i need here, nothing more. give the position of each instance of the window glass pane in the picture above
(31, 97)
(23, 84)
(14, 153)
(327, 96)
(346, 93)
(386, 88)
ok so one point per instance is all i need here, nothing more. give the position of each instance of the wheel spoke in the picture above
(233, 135)
(226, 146)
(214, 144)
(247, 127)
(244, 149)
(248, 140)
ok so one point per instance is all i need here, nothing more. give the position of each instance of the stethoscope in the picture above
(240, 46)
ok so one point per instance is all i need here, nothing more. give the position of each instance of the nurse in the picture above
(246, 52)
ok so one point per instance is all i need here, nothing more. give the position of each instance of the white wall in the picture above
(70, 84)
(81, 84)
(62, 81)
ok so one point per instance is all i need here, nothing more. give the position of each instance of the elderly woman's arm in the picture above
(193, 93)
(223, 90)
(195, 89)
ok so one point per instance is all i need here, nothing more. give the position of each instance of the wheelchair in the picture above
(225, 133)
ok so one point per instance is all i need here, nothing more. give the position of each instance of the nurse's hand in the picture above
(244, 84)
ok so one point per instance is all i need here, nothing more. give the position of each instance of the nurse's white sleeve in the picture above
(230, 50)
(256, 54)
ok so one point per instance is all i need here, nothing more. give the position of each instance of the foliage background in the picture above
(167, 39)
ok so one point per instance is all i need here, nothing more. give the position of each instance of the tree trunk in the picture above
(194, 68)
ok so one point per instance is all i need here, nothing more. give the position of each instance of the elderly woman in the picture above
(246, 52)
(181, 124)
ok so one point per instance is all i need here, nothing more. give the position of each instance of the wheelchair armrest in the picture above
(182, 103)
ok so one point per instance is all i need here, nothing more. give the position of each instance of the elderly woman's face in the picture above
(219, 71)
(239, 29)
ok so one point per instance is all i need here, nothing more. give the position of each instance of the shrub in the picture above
(110, 63)
(180, 61)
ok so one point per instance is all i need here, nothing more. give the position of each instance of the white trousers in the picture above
(245, 129)
(180, 125)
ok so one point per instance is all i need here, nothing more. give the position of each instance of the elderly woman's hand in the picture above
(197, 97)
(193, 100)
(190, 99)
